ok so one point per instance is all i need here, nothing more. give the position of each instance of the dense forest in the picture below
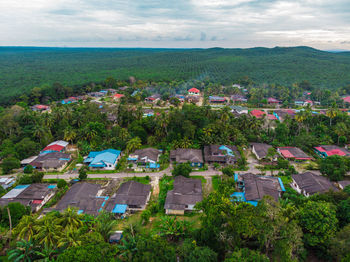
(22, 68)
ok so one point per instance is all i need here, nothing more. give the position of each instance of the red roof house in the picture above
(346, 99)
(55, 148)
(193, 91)
(118, 96)
(293, 153)
(272, 100)
(257, 113)
(331, 150)
(271, 117)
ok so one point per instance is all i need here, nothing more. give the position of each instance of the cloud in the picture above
(181, 23)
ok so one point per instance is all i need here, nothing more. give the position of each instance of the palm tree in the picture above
(71, 238)
(300, 117)
(340, 129)
(25, 228)
(47, 253)
(48, 231)
(23, 252)
(70, 219)
(69, 134)
(185, 143)
(331, 113)
(133, 144)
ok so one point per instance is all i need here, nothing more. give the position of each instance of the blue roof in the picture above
(238, 196)
(51, 186)
(99, 159)
(154, 165)
(281, 184)
(119, 209)
(21, 186)
(80, 211)
(229, 151)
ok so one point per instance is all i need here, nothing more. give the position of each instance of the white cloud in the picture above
(181, 23)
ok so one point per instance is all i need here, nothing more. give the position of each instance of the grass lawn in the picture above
(142, 180)
(286, 180)
(215, 181)
(200, 177)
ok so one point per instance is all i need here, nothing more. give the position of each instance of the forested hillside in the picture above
(22, 68)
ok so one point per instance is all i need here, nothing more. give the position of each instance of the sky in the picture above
(322, 24)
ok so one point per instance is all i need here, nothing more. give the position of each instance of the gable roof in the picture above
(150, 153)
(256, 187)
(346, 99)
(100, 158)
(293, 153)
(130, 193)
(330, 150)
(312, 183)
(187, 191)
(257, 113)
(193, 90)
(272, 100)
(183, 155)
(261, 149)
(221, 153)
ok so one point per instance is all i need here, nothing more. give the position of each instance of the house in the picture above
(346, 99)
(344, 183)
(106, 159)
(255, 187)
(185, 194)
(260, 150)
(193, 91)
(281, 115)
(310, 183)
(85, 197)
(217, 100)
(192, 99)
(145, 158)
(69, 100)
(273, 101)
(239, 99)
(180, 97)
(184, 155)
(96, 94)
(153, 98)
(116, 237)
(293, 153)
(40, 108)
(131, 195)
(57, 146)
(118, 96)
(54, 161)
(35, 195)
(221, 154)
(302, 102)
(239, 110)
(271, 117)
(330, 150)
(257, 113)
(148, 113)
(7, 182)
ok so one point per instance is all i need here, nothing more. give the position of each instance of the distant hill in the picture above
(22, 68)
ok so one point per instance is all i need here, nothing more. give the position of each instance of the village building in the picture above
(35, 195)
(239, 99)
(192, 99)
(85, 197)
(186, 193)
(346, 99)
(147, 158)
(118, 96)
(221, 154)
(260, 150)
(105, 159)
(257, 113)
(54, 161)
(69, 100)
(217, 100)
(184, 155)
(40, 108)
(324, 151)
(239, 110)
(344, 183)
(130, 196)
(281, 115)
(153, 98)
(7, 182)
(310, 183)
(193, 91)
(273, 101)
(254, 188)
(57, 146)
(148, 113)
(293, 153)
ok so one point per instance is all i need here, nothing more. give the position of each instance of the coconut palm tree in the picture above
(47, 253)
(25, 228)
(69, 134)
(340, 129)
(70, 219)
(331, 113)
(133, 144)
(48, 231)
(70, 238)
(24, 252)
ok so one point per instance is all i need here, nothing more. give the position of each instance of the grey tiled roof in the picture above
(312, 183)
(183, 155)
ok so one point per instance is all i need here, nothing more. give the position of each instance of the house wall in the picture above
(45, 200)
(254, 152)
(174, 212)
